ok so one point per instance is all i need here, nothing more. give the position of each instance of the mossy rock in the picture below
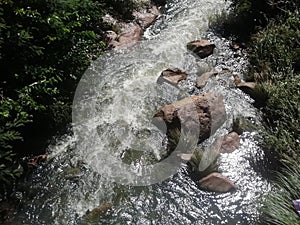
(243, 124)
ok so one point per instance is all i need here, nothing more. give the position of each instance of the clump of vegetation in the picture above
(194, 164)
(278, 208)
(275, 51)
(247, 17)
(275, 54)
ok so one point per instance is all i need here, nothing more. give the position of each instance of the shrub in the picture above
(45, 47)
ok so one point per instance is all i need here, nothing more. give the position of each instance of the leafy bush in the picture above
(45, 47)
(11, 118)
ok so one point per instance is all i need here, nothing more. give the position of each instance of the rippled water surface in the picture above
(114, 104)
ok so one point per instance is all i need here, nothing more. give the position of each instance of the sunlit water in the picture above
(115, 102)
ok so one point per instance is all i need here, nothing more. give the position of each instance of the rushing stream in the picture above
(113, 107)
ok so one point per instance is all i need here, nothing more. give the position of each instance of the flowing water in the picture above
(113, 107)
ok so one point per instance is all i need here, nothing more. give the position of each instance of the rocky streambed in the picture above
(163, 134)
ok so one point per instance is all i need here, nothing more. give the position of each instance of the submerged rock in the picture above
(201, 48)
(185, 156)
(202, 114)
(172, 75)
(97, 213)
(230, 142)
(216, 182)
(203, 78)
(36, 161)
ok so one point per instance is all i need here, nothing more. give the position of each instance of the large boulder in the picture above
(124, 34)
(202, 114)
(201, 48)
(172, 75)
(216, 182)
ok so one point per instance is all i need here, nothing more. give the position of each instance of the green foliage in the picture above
(194, 163)
(275, 51)
(278, 208)
(45, 46)
(282, 115)
(11, 118)
(9, 169)
(249, 16)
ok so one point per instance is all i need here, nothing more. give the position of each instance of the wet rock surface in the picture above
(146, 17)
(204, 77)
(97, 213)
(202, 113)
(202, 48)
(216, 182)
(230, 143)
(172, 75)
(129, 33)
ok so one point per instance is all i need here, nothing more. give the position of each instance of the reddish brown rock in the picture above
(130, 34)
(230, 143)
(203, 78)
(146, 17)
(172, 75)
(36, 161)
(201, 48)
(216, 182)
(203, 114)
